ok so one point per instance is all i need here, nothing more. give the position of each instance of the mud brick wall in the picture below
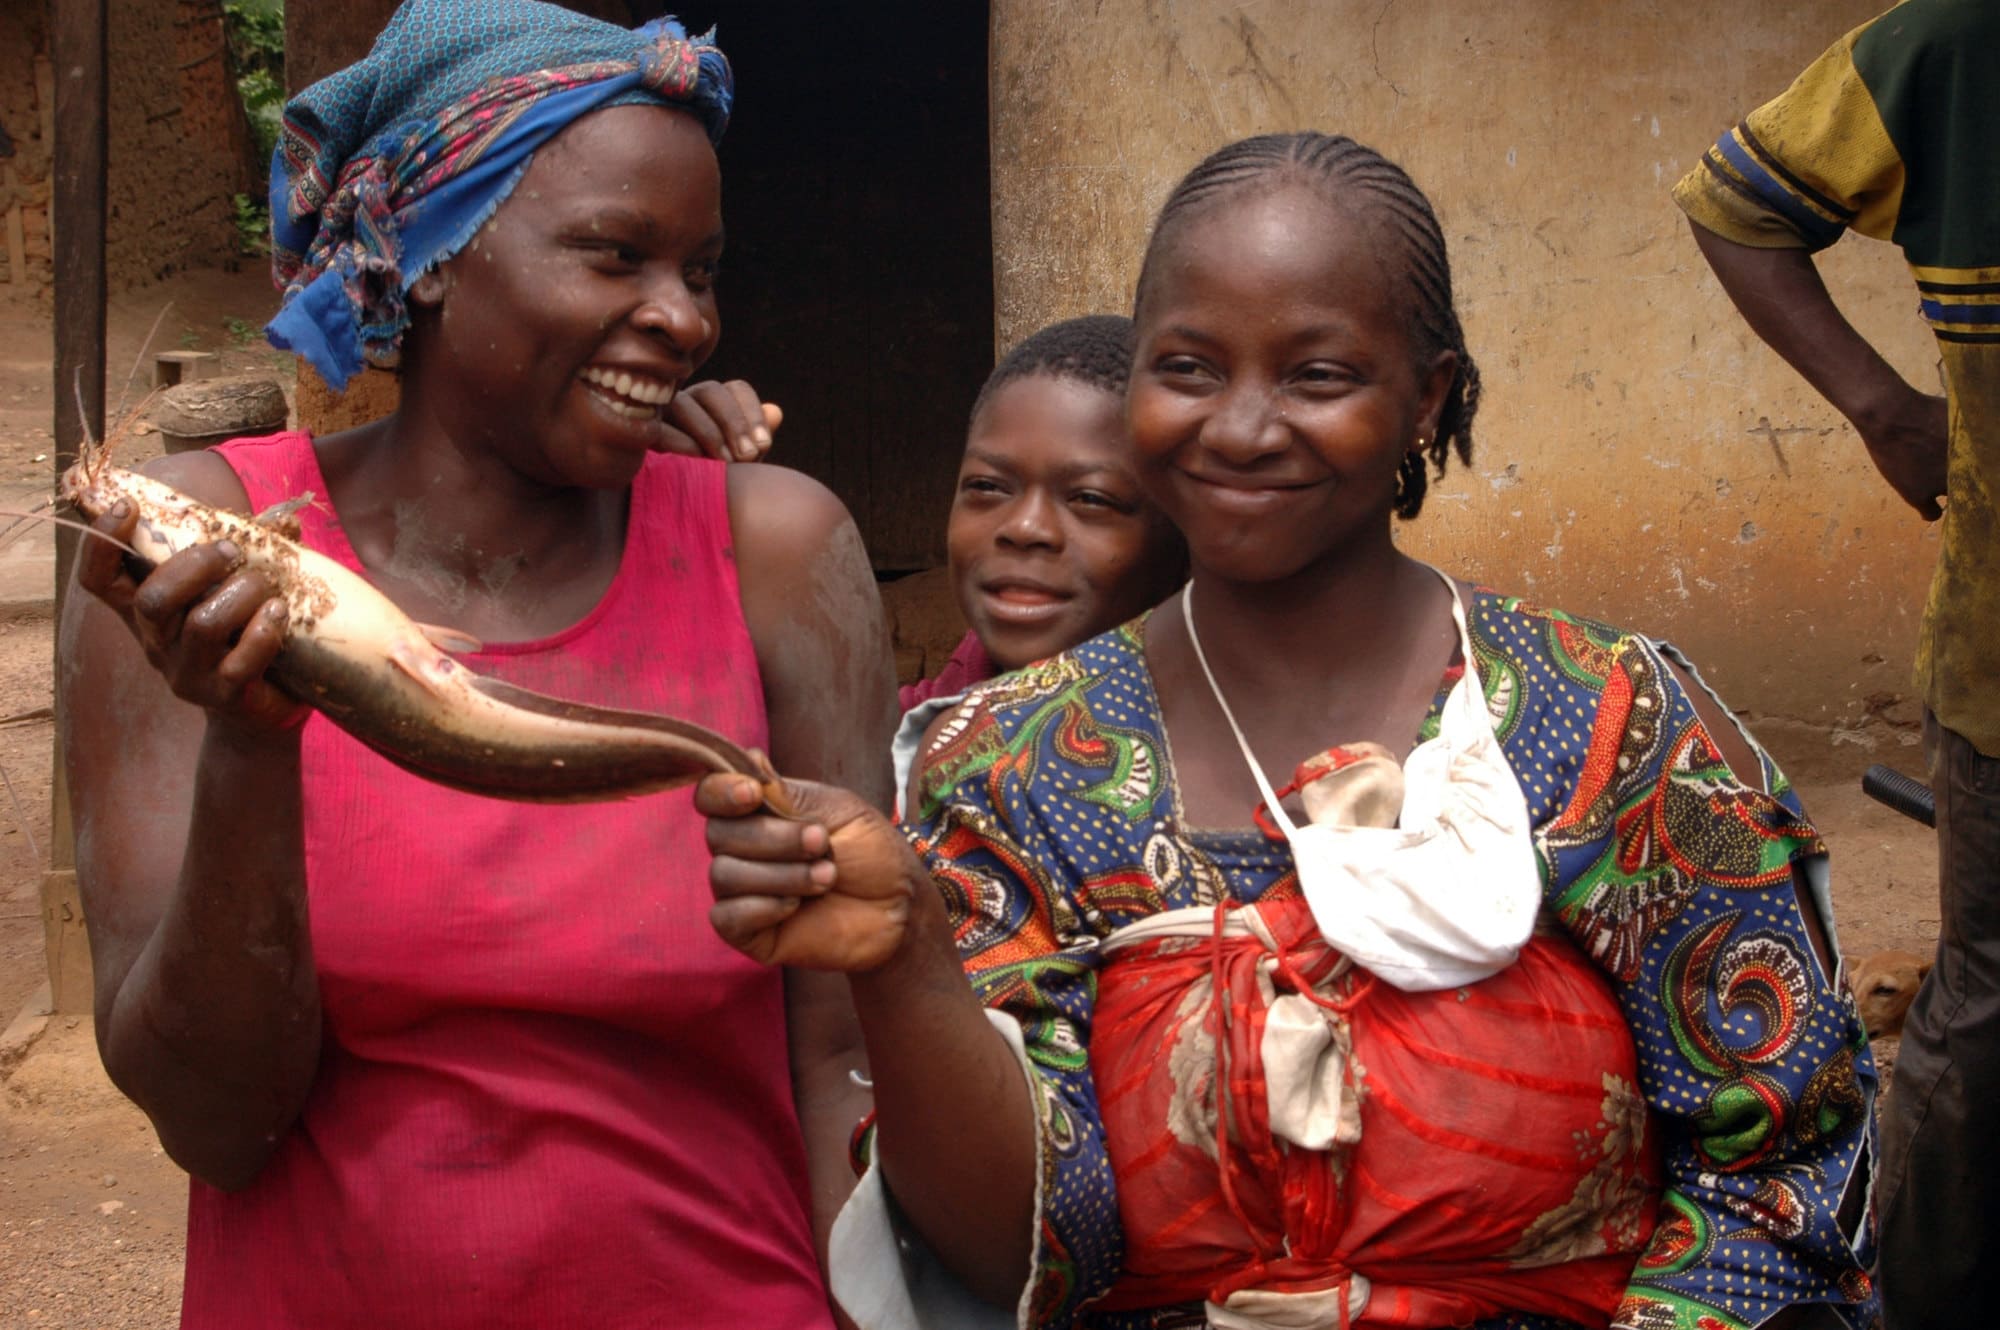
(1641, 456)
(179, 144)
(27, 112)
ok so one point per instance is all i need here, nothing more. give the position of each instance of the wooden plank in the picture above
(17, 240)
(77, 215)
(172, 367)
(45, 96)
(77, 208)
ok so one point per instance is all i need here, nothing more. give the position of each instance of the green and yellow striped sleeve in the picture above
(1804, 168)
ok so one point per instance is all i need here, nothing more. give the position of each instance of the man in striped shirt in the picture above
(1895, 132)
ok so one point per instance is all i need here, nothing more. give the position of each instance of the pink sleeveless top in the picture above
(549, 1095)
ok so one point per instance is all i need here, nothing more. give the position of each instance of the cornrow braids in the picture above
(1352, 176)
(1096, 350)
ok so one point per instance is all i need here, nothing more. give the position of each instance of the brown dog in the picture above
(1884, 985)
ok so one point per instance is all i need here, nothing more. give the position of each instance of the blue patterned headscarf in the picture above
(389, 167)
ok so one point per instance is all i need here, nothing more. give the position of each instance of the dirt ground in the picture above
(91, 1211)
(92, 1214)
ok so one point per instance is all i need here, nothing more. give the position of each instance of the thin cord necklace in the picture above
(1242, 742)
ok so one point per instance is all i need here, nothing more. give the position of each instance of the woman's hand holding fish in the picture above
(721, 420)
(208, 625)
(841, 889)
(830, 891)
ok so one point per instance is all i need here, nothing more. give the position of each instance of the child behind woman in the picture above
(1052, 541)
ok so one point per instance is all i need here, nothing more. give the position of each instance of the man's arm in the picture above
(1781, 296)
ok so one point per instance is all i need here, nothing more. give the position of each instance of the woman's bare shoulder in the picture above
(202, 475)
(776, 510)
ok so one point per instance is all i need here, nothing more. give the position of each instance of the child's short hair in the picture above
(1096, 349)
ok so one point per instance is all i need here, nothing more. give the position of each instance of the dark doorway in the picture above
(857, 290)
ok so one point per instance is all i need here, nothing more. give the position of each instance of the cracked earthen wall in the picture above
(179, 143)
(1640, 456)
(27, 113)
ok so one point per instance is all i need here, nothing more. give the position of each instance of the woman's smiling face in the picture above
(566, 326)
(1276, 389)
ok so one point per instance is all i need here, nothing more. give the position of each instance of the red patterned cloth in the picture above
(1492, 1153)
(969, 664)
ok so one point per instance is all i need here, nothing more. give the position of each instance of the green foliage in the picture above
(256, 33)
(253, 225)
(242, 331)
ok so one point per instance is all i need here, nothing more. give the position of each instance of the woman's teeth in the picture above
(635, 399)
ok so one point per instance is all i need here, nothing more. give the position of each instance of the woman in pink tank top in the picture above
(430, 1058)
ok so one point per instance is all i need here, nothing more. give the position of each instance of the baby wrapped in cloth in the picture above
(1458, 1115)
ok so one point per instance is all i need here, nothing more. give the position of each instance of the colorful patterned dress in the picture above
(1051, 817)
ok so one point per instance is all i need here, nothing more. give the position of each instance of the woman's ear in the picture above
(1436, 386)
(428, 290)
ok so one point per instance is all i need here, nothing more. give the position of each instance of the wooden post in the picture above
(17, 243)
(45, 96)
(78, 212)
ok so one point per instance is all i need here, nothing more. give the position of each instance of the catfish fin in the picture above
(450, 639)
(283, 517)
(403, 657)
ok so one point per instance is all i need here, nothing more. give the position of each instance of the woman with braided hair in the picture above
(434, 1059)
(1511, 1009)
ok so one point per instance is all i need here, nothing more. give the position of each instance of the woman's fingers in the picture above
(191, 611)
(100, 563)
(173, 588)
(751, 923)
(751, 424)
(733, 877)
(691, 424)
(720, 420)
(255, 648)
(869, 858)
(213, 622)
(210, 626)
(241, 673)
(767, 840)
(726, 794)
(729, 801)
(829, 889)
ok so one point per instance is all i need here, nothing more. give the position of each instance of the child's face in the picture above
(1051, 539)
